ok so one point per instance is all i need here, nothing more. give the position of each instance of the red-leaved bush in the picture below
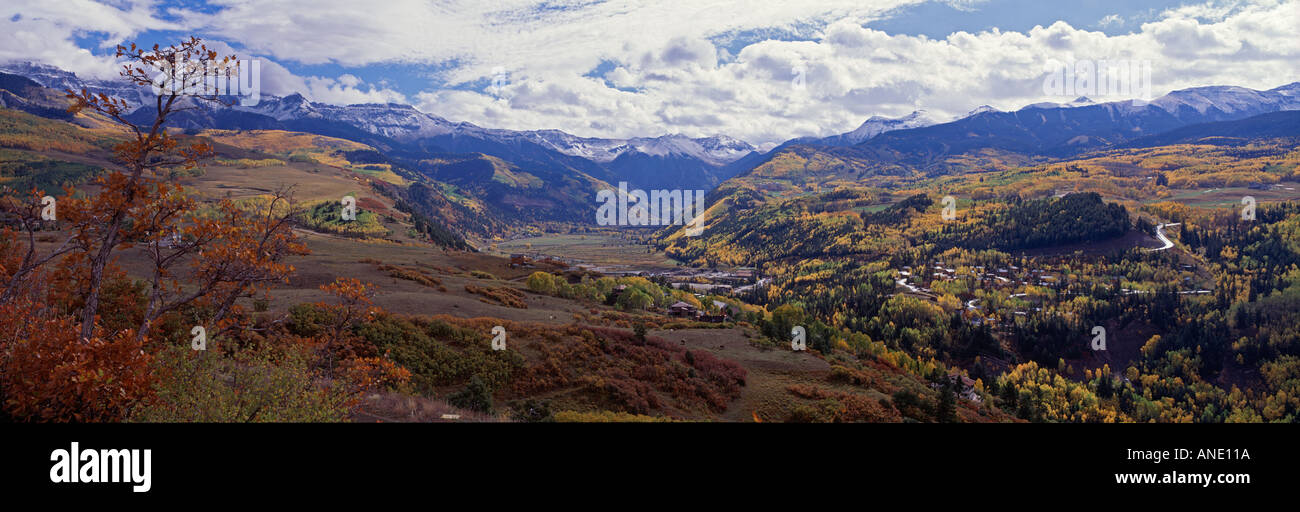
(627, 373)
(49, 374)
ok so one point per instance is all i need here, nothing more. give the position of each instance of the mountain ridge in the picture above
(699, 158)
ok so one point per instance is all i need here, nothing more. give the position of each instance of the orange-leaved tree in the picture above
(102, 223)
(233, 252)
(358, 362)
(230, 250)
(354, 306)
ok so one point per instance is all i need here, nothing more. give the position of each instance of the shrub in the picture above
(502, 295)
(607, 417)
(412, 274)
(308, 320)
(48, 374)
(439, 354)
(247, 386)
(531, 410)
(839, 407)
(476, 397)
(620, 373)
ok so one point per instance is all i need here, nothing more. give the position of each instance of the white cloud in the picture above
(663, 70)
(667, 77)
(853, 72)
(345, 89)
(1111, 19)
(45, 31)
(341, 92)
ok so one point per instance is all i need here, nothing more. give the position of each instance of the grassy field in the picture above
(1231, 196)
(310, 181)
(335, 256)
(596, 249)
(771, 370)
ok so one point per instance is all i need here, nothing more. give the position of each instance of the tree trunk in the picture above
(91, 308)
(109, 242)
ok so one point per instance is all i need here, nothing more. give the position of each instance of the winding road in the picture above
(1160, 233)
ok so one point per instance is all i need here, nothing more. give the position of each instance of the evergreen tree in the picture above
(476, 397)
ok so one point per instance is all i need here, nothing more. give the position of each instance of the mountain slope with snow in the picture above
(1040, 130)
(1063, 129)
(687, 162)
(873, 126)
(876, 125)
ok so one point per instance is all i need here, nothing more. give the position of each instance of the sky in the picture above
(760, 71)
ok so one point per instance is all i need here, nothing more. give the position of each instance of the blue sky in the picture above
(938, 19)
(648, 67)
(935, 20)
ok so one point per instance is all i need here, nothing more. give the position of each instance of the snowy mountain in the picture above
(1063, 129)
(715, 150)
(680, 161)
(1178, 108)
(979, 110)
(1045, 129)
(1229, 100)
(60, 80)
(405, 123)
(1081, 101)
(686, 161)
(876, 125)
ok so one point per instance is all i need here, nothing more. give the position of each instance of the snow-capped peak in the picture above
(1289, 95)
(876, 125)
(716, 150)
(1226, 99)
(980, 110)
(293, 106)
(61, 80)
(1291, 89)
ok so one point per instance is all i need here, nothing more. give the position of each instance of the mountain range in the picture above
(1041, 130)
(551, 174)
(667, 161)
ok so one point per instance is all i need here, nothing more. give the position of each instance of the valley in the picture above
(932, 278)
(410, 246)
(610, 251)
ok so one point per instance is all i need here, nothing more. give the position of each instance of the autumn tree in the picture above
(354, 305)
(346, 355)
(232, 253)
(230, 249)
(205, 255)
(119, 215)
(18, 256)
